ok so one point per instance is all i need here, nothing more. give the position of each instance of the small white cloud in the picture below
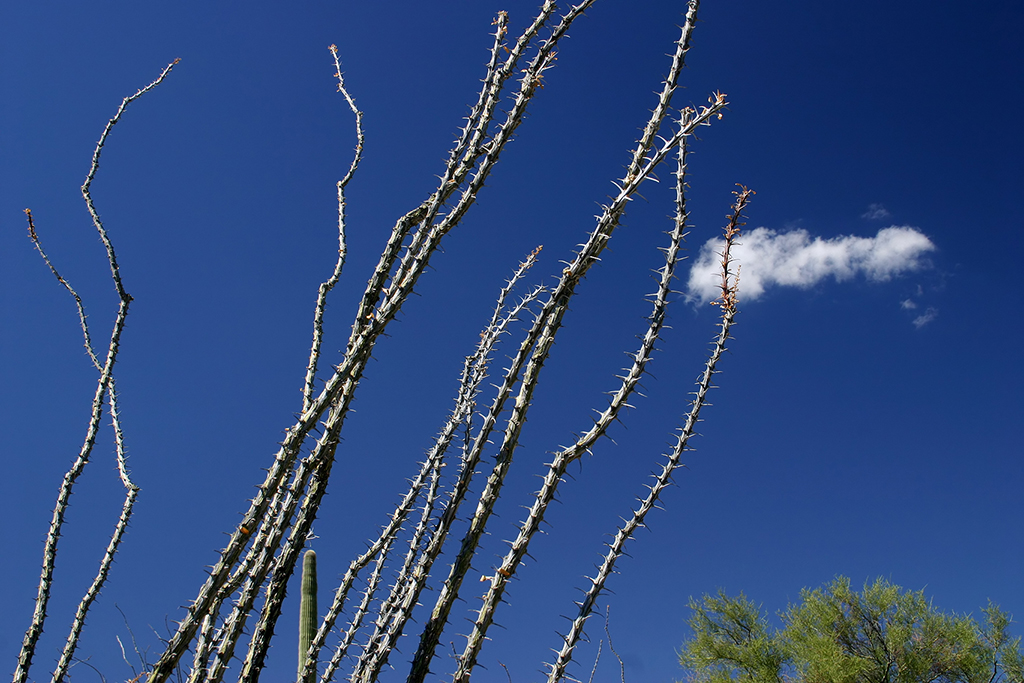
(795, 259)
(908, 305)
(929, 315)
(876, 212)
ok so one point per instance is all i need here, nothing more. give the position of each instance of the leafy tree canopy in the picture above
(837, 635)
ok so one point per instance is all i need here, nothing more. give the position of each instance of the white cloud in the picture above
(795, 259)
(908, 305)
(876, 212)
(929, 315)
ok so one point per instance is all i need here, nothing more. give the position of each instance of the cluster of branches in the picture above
(882, 634)
(262, 551)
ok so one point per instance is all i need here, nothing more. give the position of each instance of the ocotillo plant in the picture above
(307, 610)
(474, 450)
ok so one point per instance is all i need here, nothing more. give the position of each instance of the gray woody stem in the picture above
(396, 610)
(328, 285)
(727, 302)
(262, 552)
(104, 388)
(557, 468)
(541, 338)
(132, 491)
(379, 307)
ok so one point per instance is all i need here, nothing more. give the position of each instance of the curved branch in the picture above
(103, 389)
(616, 548)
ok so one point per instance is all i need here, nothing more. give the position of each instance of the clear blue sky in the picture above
(864, 426)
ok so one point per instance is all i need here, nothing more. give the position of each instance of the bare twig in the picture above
(597, 660)
(412, 583)
(328, 285)
(379, 307)
(99, 673)
(543, 334)
(408, 270)
(727, 302)
(262, 551)
(104, 388)
(82, 319)
(135, 644)
(611, 646)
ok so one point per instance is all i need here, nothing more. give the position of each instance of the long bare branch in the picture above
(103, 389)
(728, 303)
(557, 468)
(542, 337)
(328, 285)
(66, 658)
(336, 396)
(398, 607)
(131, 493)
(265, 534)
(409, 269)
(67, 655)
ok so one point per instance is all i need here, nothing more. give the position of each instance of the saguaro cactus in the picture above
(308, 621)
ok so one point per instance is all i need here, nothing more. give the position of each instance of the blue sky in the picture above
(864, 421)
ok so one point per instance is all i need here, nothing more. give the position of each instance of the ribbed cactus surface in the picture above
(307, 608)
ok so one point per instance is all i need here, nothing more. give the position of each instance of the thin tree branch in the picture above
(372, 319)
(611, 646)
(727, 302)
(408, 271)
(541, 338)
(82, 318)
(132, 491)
(411, 583)
(328, 285)
(557, 468)
(103, 388)
(266, 534)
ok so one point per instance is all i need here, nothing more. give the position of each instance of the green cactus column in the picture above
(307, 609)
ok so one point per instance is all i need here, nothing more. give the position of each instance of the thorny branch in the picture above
(407, 588)
(379, 306)
(261, 553)
(473, 375)
(328, 285)
(727, 302)
(104, 388)
(409, 267)
(132, 491)
(540, 339)
(562, 459)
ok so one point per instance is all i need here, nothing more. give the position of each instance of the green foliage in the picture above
(837, 635)
(307, 608)
(732, 642)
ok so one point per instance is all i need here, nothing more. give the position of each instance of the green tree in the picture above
(837, 635)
